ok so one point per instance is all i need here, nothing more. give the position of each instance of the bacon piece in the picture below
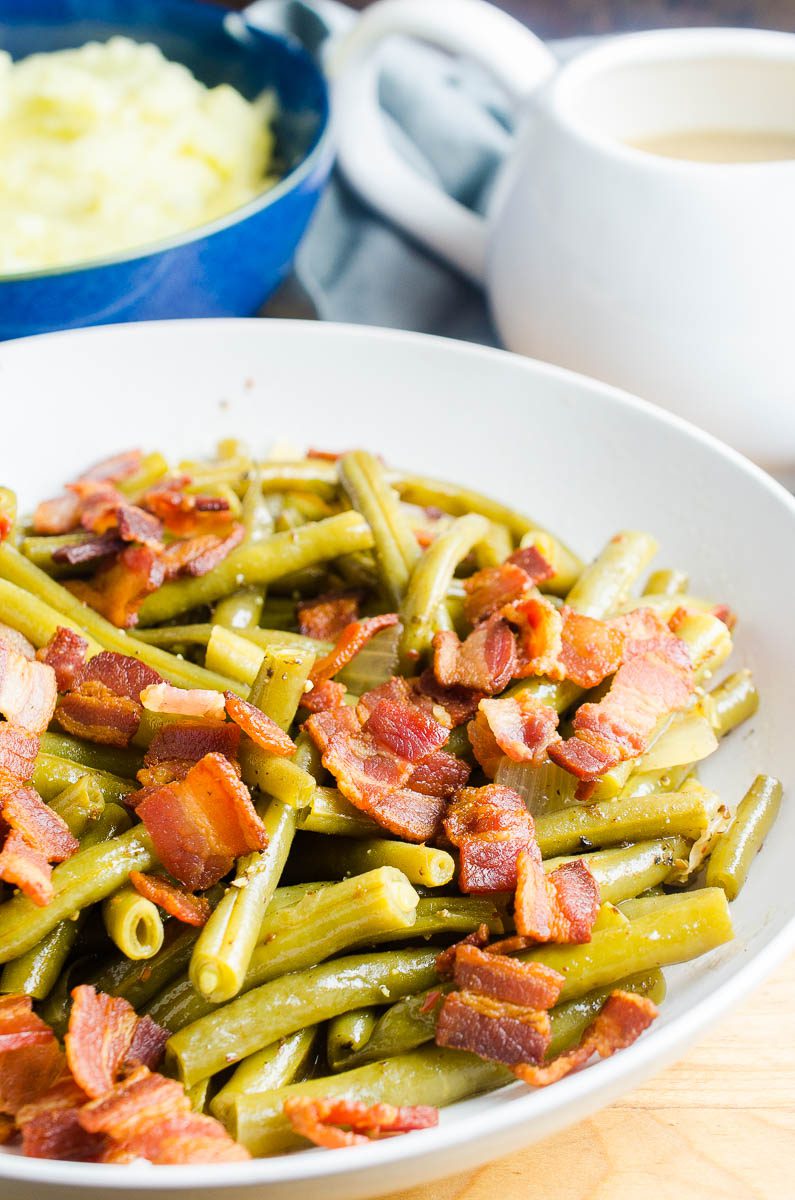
(326, 616)
(28, 691)
(201, 824)
(118, 467)
(101, 1028)
(191, 740)
(485, 662)
(520, 728)
(559, 907)
(406, 730)
(326, 455)
(539, 626)
(440, 774)
(323, 697)
(66, 654)
(198, 555)
(489, 590)
(36, 837)
(445, 960)
(141, 1099)
(186, 515)
(458, 702)
(92, 711)
(257, 726)
(590, 649)
(493, 1029)
(623, 1019)
(51, 1126)
(25, 867)
(99, 501)
(530, 985)
(490, 826)
(59, 515)
(30, 1058)
(183, 702)
(118, 591)
(186, 1138)
(321, 1120)
(353, 638)
(147, 1045)
(17, 641)
(533, 563)
(137, 525)
(655, 678)
(191, 910)
(120, 673)
(18, 751)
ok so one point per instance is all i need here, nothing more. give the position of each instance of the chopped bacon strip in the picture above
(202, 823)
(37, 836)
(531, 985)
(324, 696)
(326, 616)
(101, 1028)
(520, 728)
(489, 590)
(120, 673)
(440, 774)
(143, 1097)
(51, 1126)
(353, 638)
(491, 827)
(445, 960)
(25, 867)
(259, 727)
(183, 702)
(18, 751)
(59, 515)
(590, 649)
(147, 1045)
(321, 1120)
(94, 712)
(326, 455)
(118, 467)
(655, 679)
(30, 1058)
(66, 654)
(191, 740)
(485, 662)
(539, 626)
(118, 591)
(28, 691)
(458, 702)
(186, 515)
(185, 1138)
(493, 1029)
(136, 525)
(625, 1016)
(532, 561)
(191, 910)
(559, 907)
(17, 641)
(406, 730)
(198, 555)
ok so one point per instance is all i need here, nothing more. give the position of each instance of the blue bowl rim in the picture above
(322, 150)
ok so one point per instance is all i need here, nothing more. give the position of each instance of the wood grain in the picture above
(719, 1125)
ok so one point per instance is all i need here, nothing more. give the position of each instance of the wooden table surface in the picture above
(719, 1125)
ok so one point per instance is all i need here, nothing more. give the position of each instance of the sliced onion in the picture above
(544, 789)
(718, 819)
(373, 665)
(689, 738)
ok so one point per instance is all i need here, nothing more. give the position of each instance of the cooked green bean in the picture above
(495, 546)
(80, 804)
(283, 1062)
(280, 683)
(458, 501)
(608, 579)
(40, 550)
(568, 567)
(307, 475)
(114, 760)
(292, 1002)
(33, 618)
(240, 654)
(52, 774)
(731, 702)
(735, 850)
(644, 783)
(139, 982)
(352, 856)
(395, 546)
(178, 635)
(348, 1033)
(329, 812)
(429, 582)
(627, 871)
(133, 923)
(153, 468)
(610, 822)
(667, 582)
(260, 563)
(241, 610)
(278, 777)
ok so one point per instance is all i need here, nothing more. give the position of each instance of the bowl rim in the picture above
(319, 157)
(582, 1090)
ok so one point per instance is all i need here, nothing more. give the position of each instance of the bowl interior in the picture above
(217, 46)
(582, 458)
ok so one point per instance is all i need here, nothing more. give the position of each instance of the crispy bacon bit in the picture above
(531, 985)
(321, 1120)
(118, 467)
(489, 590)
(201, 824)
(28, 691)
(17, 641)
(30, 1058)
(539, 625)
(485, 662)
(406, 730)
(186, 515)
(143, 1097)
(459, 703)
(521, 728)
(188, 1138)
(259, 727)
(532, 561)
(92, 711)
(118, 591)
(183, 702)
(25, 867)
(147, 1045)
(490, 826)
(191, 910)
(655, 678)
(353, 638)
(445, 960)
(440, 774)
(51, 1127)
(559, 907)
(493, 1029)
(66, 654)
(18, 751)
(199, 555)
(120, 673)
(101, 1028)
(326, 616)
(324, 696)
(59, 515)
(590, 649)
(625, 1016)
(36, 837)
(191, 740)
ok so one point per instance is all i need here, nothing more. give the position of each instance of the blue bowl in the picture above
(224, 268)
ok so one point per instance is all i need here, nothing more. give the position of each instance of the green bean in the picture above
(280, 683)
(608, 579)
(177, 635)
(292, 1002)
(86, 878)
(153, 468)
(133, 923)
(731, 702)
(429, 582)
(569, 1021)
(323, 923)
(396, 549)
(450, 498)
(240, 655)
(204, 476)
(567, 566)
(40, 550)
(199, 1094)
(430, 1075)
(281, 778)
(309, 475)
(641, 906)
(444, 916)
(277, 1065)
(241, 610)
(79, 805)
(41, 605)
(330, 813)
(628, 870)
(139, 982)
(260, 563)
(114, 760)
(644, 783)
(402, 1027)
(352, 856)
(52, 774)
(610, 822)
(495, 546)
(348, 1033)
(735, 850)
(687, 926)
(669, 582)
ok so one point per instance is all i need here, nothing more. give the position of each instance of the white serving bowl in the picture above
(584, 459)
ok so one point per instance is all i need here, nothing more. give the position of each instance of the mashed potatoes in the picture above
(112, 146)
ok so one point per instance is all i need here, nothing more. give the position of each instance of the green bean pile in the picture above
(311, 976)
